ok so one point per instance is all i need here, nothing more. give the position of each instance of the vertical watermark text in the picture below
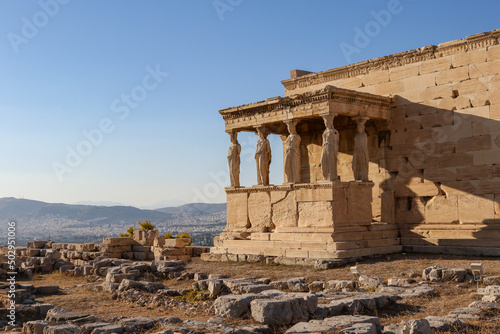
(11, 274)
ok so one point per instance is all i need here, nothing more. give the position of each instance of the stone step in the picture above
(450, 242)
(452, 234)
(305, 245)
(364, 243)
(374, 226)
(453, 250)
(338, 235)
(449, 226)
(312, 254)
(365, 235)
(353, 253)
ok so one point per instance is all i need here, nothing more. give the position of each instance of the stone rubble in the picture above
(299, 305)
(76, 259)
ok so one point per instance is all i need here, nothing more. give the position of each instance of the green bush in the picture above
(177, 236)
(183, 235)
(128, 233)
(146, 226)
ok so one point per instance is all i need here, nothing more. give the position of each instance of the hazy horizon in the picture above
(159, 205)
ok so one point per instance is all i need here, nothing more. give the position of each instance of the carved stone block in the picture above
(237, 210)
(313, 195)
(452, 75)
(284, 212)
(259, 211)
(315, 214)
(442, 209)
(340, 209)
(474, 209)
(359, 204)
(435, 65)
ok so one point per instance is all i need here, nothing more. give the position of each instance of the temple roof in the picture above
(329, 100)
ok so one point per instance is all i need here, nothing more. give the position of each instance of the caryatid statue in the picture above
(263, 157)
(360, 155)
(233, 159)
(292, 154)
(330, 150)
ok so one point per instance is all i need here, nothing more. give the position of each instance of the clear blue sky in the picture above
(67, 67)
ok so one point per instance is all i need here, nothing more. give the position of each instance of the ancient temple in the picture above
(399, 152)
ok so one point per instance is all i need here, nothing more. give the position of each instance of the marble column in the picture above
(233, 159)
(292, 154)
(330, 149)
(360, 156)
(263, 157)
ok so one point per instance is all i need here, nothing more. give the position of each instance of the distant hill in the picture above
(23, 209)
(90, 223)
(195, 208)
(101, 203)
(163, 204)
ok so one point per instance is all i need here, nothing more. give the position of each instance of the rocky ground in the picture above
(394, 294)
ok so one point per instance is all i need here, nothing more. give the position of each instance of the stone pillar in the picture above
(263, 157)
(360, 156)
(330, 149)
(292, 154)
(233, 159)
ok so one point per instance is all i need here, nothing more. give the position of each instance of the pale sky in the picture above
(118, 100)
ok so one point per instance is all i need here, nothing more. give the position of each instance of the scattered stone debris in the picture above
(76, 259)
(342, 322)
(294, 305)
(436, 274)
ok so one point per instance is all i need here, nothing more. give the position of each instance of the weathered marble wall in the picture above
(442, 161)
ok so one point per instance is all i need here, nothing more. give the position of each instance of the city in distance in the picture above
(78, 223)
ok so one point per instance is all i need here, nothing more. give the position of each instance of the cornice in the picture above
(473, 42)
(297, 186)
(282, 104)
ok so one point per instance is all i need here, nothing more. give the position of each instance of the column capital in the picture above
(291, 121)
(361, 119)
(328, 113)
(261, 128)
(328, 118)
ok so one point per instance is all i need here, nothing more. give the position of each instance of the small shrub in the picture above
(371, 289)
(129, 232)
(146, 226)
(191, 296)
(183, 235)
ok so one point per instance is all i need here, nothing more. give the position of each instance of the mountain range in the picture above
(41, 220)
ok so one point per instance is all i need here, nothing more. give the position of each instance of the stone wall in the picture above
(310, 147)
(439, 174)
(316, 221)
(46, 256)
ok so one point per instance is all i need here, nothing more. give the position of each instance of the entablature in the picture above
(327, 101)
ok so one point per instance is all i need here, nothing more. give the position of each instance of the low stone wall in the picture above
(330, 220)
(46, 256)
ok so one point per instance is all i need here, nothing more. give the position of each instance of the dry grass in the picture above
(449, 295)
(54, 278)
(380, 267)
(99, 304)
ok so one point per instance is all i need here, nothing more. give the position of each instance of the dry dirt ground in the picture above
(449, 295)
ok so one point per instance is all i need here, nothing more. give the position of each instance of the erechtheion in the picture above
(398, 153)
